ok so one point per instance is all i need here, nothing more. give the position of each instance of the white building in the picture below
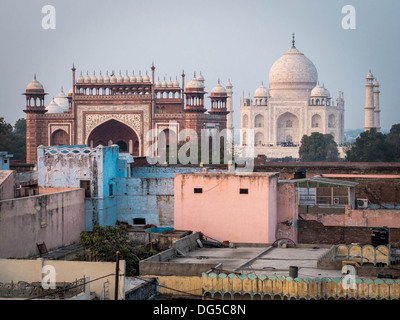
(274, 121)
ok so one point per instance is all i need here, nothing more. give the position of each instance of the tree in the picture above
(13, 140)
(103, 242)
(318, 147)
(393, 143)
(370, 146)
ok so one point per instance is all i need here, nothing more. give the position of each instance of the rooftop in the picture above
(267, 260)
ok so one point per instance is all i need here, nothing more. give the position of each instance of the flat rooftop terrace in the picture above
(262, 260)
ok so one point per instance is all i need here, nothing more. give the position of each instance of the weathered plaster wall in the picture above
(7, 184)
(357, 218)
(56, 219)
(148, 198)
(67, 166)
(287, 202)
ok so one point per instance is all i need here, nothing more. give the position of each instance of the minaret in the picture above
(35, 108)
(369, 103)
(376, 104)
(229, 108)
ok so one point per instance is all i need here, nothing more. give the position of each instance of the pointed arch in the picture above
(117, 132)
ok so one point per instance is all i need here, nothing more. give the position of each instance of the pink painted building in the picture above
(240, 208)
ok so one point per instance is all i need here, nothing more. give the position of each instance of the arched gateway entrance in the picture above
(115, 132)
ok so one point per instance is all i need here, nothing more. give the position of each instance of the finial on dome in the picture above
(293, 41)
(34, 76)
(218, 81)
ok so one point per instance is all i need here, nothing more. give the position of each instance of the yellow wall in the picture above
(177, 285)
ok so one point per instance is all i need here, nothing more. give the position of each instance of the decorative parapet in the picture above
(22, 289)
(233, 286)
(67, 150)
(364, 254)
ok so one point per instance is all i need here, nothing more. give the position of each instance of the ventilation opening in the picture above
(139, 221)
(198, 190)
(244, 191)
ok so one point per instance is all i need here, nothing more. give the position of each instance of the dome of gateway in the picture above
(293, 69)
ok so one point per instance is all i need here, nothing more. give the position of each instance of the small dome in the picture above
(113, 78)
(146, 78)
(106, 78)
(139, 78)
(164, 84)
(370, 76)
(218, 89)
(133, 78)
(54, 108)
(194, 84)
(80, 79)
(158, 83)
(93, 79)
(376, 83)
(62, 100)
(100, 78)
(229, 84)
(70, 92)
(176, 83)
(320, 91)
(87, 78)
(34, 85)
(200, 77)
(127, 78)
(120, 78)
(261, 92)
(170, 83)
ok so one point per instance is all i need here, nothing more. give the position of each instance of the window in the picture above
(85, 184)
(139, 221)
(198, 190)
(5, 161)
(244, 191)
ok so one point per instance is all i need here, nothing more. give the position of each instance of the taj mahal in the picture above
(295, 104)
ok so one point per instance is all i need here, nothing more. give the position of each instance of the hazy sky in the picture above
(227, 39)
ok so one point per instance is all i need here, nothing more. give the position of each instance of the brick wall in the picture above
(311, 231)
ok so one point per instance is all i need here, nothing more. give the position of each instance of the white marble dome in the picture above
(62, 100)
(53, 107)
(146, 78)
(320, 91)
(261, 92)
(293, 69)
